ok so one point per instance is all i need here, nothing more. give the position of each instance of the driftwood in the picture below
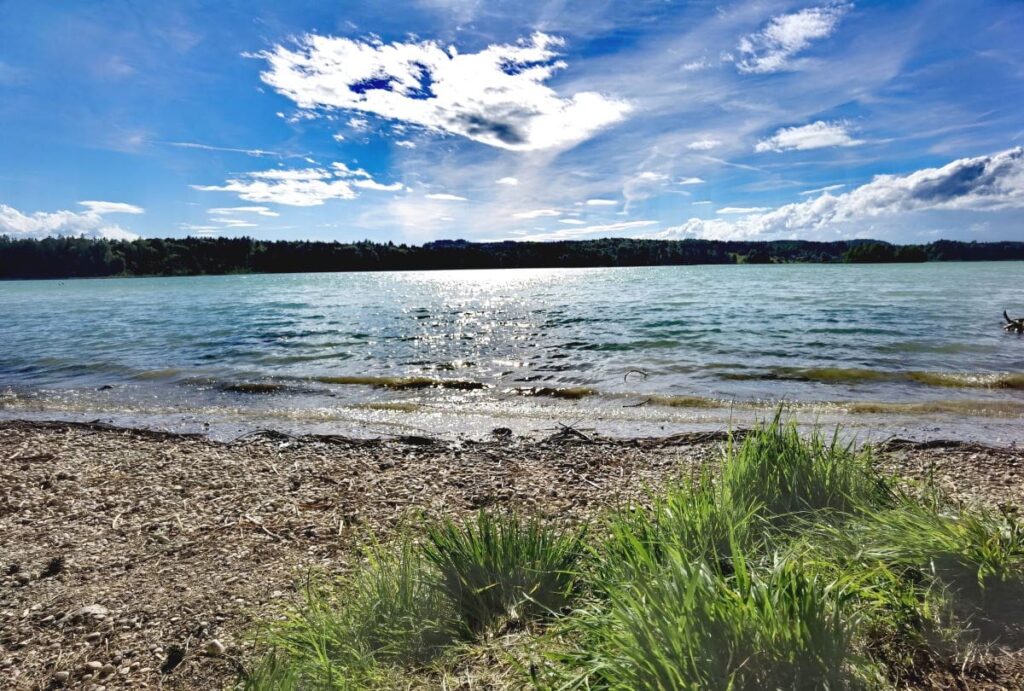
(1015, 325)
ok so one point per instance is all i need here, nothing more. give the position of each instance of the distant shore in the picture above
(126, 545)
(74, 257)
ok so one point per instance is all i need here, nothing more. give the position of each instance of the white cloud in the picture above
(695, 65)
(601, 202)
(605, 230)
(537, 213)
(691, 181)
(89, 223)
(772, 48)
(510, 181)
(257, 153)
(742, 209)
(102, 208)
(358, 124)
(651, 176)
(704, 144)
(300, 187)
(982, 183)
(444, 197)
(816, 135)
(406, 144)
(826, 188)
(703, 202)
(572, 221)
(377, 186)
(338, 137)
(496, 96)
(232, 210)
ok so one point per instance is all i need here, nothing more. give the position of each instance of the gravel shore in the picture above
(137, 559)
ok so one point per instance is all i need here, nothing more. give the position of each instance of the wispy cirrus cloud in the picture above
(982, 183)
(233, 210)
(445, 197)
(816, 135)
(819, 190)
(593, 231)
(773, 48)
(497, 96)
(537, 213)
(91, 223)
(301, 186)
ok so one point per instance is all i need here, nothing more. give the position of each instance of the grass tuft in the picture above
(504, 567)
(780, 474)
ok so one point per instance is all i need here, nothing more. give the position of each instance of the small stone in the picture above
(107, 669)
(214, 647)
(61, 676)
(93, 637)
(95, 611)
(93, 665)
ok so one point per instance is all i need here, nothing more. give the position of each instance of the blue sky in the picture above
(415, 121)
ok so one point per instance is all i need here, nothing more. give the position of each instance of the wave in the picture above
(403, 383)
(568, 392)
(844, 375)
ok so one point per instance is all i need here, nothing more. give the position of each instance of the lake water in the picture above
(907, 349)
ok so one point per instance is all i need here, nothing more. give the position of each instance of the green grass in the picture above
(502, 567)
(690, 628)
(793, 565)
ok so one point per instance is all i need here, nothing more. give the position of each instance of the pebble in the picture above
(214, 647)
(107, 669)
(61, 676)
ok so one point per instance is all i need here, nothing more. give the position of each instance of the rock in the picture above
(214, 647)
(93, 637)
(94, 611)
(61, 676)
(91, 666)
(107, 669)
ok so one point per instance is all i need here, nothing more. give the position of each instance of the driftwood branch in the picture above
(1015, 325)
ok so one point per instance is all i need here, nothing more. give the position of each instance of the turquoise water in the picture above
(629, 350)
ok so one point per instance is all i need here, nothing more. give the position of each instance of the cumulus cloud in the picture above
(406, 144)
(497, 96)
(817, 135)
(510, 181)
(772, 48)
(981, 183)
(90, 223)
(601, 202)
(301, 187)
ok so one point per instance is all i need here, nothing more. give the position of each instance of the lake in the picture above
(914, 349)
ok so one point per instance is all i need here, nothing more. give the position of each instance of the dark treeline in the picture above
(67, 257)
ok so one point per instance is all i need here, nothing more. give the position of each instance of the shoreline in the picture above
(127, 545)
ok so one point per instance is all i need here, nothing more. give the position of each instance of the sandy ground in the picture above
(133, 559)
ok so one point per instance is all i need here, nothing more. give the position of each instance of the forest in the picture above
(73, 257)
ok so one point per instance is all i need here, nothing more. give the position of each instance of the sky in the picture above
(552, 120)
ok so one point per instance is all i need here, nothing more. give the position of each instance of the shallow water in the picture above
(910, 348)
